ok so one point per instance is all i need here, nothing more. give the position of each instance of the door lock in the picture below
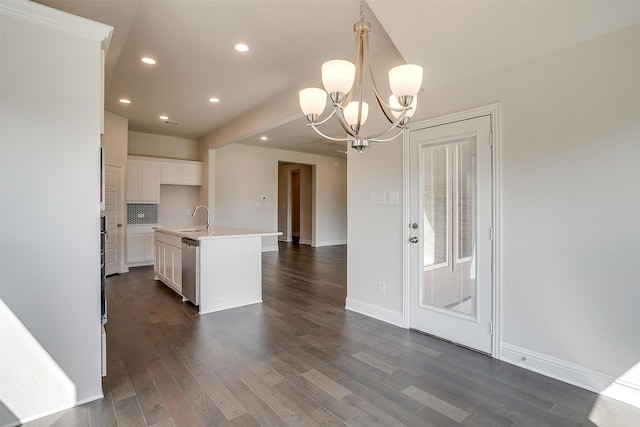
(414, 239)
(414, 225)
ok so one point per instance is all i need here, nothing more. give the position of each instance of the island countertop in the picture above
(216, 232)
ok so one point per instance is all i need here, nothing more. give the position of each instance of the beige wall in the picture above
(244, 173)
(169, 147)
(115, 138)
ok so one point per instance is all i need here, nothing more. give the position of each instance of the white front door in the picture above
(112, 209)
(451, 219)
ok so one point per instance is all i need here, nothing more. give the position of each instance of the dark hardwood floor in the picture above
(300, 359)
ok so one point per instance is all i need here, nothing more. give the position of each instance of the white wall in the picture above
(570, 205)
(244, 173)
(49, 211)
(169, 147)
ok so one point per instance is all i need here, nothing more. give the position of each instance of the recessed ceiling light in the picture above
(163, 117)
(124, 101)
(148, 60)
(214, 100)
(241, 47)
(264, 138)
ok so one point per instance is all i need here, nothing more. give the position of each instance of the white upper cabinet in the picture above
(143, 181)
(181, 173)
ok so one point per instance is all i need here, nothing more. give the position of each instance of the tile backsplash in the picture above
(142, 213)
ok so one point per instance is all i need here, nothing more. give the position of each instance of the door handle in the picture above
(414, 239)
(119, 225)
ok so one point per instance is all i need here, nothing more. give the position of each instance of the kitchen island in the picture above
(226, 267)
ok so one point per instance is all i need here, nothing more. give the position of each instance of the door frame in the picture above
(492, 110)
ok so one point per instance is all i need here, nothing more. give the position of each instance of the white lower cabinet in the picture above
(140, 249)
(168, 260)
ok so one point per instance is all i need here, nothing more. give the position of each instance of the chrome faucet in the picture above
(195, 211)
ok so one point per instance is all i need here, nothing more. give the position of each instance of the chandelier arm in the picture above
(375, 137)
(330, 138)
(400, 130)
(324, 120)
(383, 105)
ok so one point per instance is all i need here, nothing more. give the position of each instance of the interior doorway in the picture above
(296, 202)
(114, 215)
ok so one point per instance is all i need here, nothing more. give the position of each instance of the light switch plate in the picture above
(377, 199)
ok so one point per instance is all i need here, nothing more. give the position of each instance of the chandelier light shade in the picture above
(343, 82)
(351, 112)
(338, 76)
(312, 102)
(396, 107)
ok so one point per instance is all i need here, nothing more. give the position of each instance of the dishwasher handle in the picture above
(190, 242)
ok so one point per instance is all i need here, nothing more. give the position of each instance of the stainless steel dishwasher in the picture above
(191, 270)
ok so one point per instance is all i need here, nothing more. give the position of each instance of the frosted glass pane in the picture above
(435, 206)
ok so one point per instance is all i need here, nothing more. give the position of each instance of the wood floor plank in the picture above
(179, 407)
(436, 404)
(151, 403)
(128, 412)
(326, 383)
(102, 411)
(282, 406)
(374, 362)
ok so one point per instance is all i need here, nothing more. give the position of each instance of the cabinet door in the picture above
(149, 249)
(135, 249)
(168, 266)
(157, 260)
(192, 174)
(171, 173)
(150, 181)
(177, 268)
(133, 180)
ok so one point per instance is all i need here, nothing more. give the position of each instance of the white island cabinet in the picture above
(229, 264)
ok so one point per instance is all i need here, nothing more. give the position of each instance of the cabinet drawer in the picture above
(169, 239)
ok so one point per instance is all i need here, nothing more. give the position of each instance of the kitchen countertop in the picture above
(217, 232)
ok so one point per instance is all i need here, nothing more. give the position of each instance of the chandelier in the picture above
(343, 81)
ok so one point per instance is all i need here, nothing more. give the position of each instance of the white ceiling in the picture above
(193, 44)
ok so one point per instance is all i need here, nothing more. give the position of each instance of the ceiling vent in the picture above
(171, 122)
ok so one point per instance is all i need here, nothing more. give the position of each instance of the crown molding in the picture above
(57, 20)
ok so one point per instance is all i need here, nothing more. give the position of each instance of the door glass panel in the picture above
(435, 206)
(465, 172)
(449, 277)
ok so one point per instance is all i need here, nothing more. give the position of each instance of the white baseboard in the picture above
(580, 376)
(375, 311)
(331, 243)
(270, 248)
